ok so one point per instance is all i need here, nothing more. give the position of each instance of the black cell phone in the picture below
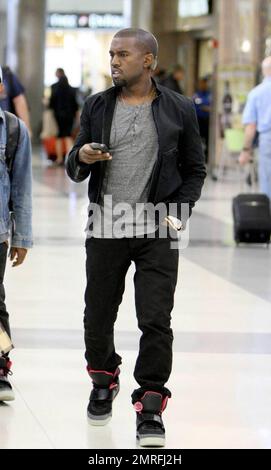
(102, 147)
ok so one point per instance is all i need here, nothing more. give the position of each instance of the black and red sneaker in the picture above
(105, 389)
(6, 392)
(150, 430)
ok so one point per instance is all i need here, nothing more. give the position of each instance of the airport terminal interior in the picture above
(221, 376)
(220, 381)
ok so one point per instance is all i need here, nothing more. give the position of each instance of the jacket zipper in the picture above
(157, 161)
(103, 163)
(102, 171)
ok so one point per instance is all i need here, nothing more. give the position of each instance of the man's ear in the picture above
(154, 63)
(150, 61)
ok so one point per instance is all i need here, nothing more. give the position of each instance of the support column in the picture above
(160, 18)
(265, 28)
(3, 31)
(26, 51)
(237, 61)
(138, 14)
(164, 27)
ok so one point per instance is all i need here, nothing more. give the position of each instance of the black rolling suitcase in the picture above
(252, 218)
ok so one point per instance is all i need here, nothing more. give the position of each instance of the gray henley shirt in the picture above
(134, 150)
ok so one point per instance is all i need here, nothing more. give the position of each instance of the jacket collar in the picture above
(2, 116)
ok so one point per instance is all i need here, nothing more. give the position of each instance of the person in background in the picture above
(159, 75)
(174, 79)
(202, 100)
(257, 117)
(12, 97)
(64, 105)
(17, 190)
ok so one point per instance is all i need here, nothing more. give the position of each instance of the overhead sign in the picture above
(92, 21)
(189, 8)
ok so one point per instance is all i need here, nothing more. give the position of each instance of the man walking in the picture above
(151, 153)
(257, 117)
(15, 190)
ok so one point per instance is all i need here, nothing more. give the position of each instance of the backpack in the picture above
(12, 142)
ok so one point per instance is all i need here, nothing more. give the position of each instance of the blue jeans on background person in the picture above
(265, 163)
(4, 317)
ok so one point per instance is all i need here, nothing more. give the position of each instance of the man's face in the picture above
(128, 61)
(1, 88)
(203, 85)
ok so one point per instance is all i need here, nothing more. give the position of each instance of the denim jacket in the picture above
(20, 190)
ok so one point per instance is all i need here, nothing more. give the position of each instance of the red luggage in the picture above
(49, 145)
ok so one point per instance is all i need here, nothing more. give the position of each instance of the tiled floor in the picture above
(221, 379)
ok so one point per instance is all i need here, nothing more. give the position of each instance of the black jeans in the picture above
(155, 280)
(3, 311)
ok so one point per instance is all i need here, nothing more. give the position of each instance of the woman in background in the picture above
(64, 105)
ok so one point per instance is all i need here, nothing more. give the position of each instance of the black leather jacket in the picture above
(179, 171)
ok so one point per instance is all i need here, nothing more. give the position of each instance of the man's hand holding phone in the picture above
(94, 152)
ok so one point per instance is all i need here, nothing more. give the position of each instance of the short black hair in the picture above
(146, 39)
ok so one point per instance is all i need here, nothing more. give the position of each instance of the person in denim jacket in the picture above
(20, 193)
